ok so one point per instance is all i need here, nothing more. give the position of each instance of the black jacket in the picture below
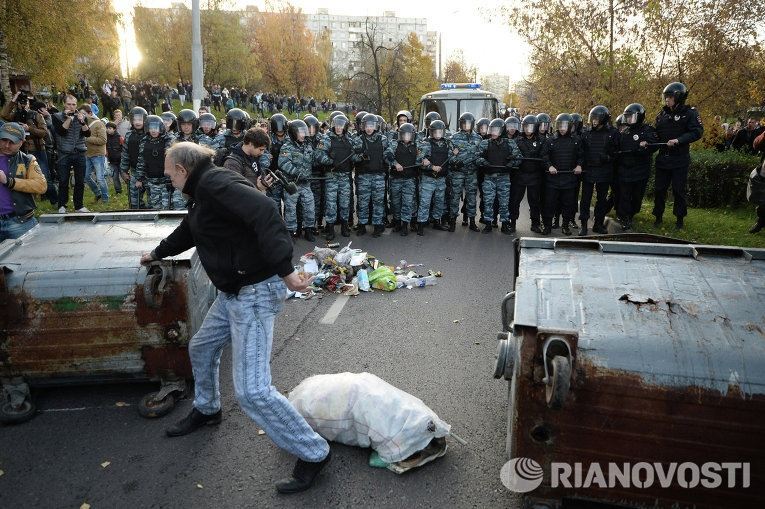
(564, 153)
(530, 173)
(684, 124)
(240, 237)
(243, 164)
(113, 148)
(634, 163)
(600, 147)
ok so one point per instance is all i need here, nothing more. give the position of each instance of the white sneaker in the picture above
(62, 210)
(83, 209)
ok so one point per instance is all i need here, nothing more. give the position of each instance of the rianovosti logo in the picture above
(523, 475)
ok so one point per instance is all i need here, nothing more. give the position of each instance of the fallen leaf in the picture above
(477, 343)
(199, 486)
(85, 505)
(105, 464)
(121, 403)
(261, 432)
(455, 321)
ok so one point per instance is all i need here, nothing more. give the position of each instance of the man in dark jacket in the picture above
(246, 251)
(636, 146)
(244, 156)
(600, 145)
(71, 128)
(563, 157)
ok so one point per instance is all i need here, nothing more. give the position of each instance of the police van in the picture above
(454, 99)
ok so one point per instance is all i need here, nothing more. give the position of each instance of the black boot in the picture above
(303, 476)
(378, 230)
(505, 228)
(583, 230)
(309, 234)
(547, 227)
(495, 223)
(535, 228)
(396, 225)
(452, 224)
(487, 227)
(658, 221)
(404, 230)
(757, 227)
(471, 225)
(438, 225)
(566, 230)
(679, 224)
(420, 229)
(413, 225)
(192, 422)
(345, 231)
(511, 227)
(361, 229)
(598, 226)
(295, 235)
(329, 231)
(555, 223)
(465, 220)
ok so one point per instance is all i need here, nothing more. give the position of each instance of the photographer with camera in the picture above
(71, 128)
(20, 110)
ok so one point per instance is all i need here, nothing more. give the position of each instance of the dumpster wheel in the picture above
(25, 411)
(150, 407)
(557, 388)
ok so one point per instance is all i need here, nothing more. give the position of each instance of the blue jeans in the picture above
(246, 321)
(97, 165)
(13, 228)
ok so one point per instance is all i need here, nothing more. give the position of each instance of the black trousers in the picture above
(563, 199)
(630, 198)
(677, 177)
(532, 193)
(601, 200)
(761, 214)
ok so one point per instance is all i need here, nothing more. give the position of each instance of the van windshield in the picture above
(451, 109)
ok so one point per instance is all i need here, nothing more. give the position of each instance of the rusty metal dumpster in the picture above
(76, 307)
(627, 357)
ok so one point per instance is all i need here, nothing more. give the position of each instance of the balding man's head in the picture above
(183, 158)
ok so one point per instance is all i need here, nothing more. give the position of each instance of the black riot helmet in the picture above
(381, 126)
(620, 123)
(676, 90)
(359, 120)
(496, 128)
(430, 117)
(138, 112)
(339, 121)
(467, 121)
(512, 123)
(634, 114)
(335, 113)
(295, 128)
(564, 122)
(406, 132)
(278, 123)
(543, 123)
(437, 129)
(170, 120)
(599, 116)
(237, 120)
(188, 116)
(208, 121)
(370, 119)
(482, 126)
(577, 121)
(312, 123)
(407, 117)
(529, 125)
(154, 123)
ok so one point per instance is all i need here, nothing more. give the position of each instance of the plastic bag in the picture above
(363, 280)
(363, 410)
(383, 278)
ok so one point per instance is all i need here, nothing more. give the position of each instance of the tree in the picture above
(286, 54)
(51, 41)
(457, 70)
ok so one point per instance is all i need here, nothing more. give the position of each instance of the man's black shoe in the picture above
(679, 224)
(658, 222)
(465, 220)
(757, 227)
(472, 226)
(192, 422)
(452, 224)
(583, 230)
(546, 230)
(378, 230)
(565, 230)
(535, 228)
(495, 223)
(396, 225)
(345, 231)
(295, 235)
(438, 225)
(421, 229)
(404, 230)
(487, 228)
(506, 228)
(361, 229)
(309, 235)
(303, 476)
(329, 231)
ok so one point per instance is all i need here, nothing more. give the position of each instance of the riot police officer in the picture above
(678, 126)
(600, 143)
(402, 177)
(377, 156)
(150, 170)
(636, 145)
(434, 157)
(296, 161)
(208, 131)
(497, 156)
(317, 184)
(463, 177)
(563, 156)
(129, 159)
(187, 126)
(528, 178)
(278, 131)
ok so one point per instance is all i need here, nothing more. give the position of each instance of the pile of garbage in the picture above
(350, 271)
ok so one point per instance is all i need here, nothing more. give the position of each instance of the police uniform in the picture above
(150, 170)
(527, 180)
(337, 153)
(496, 158)
(370, 177)
(463, 175)
(600, 147)
(270, 160)
(682, 123)
(128, 164)
(634, 169)
(564, 153)
(403, 183)
(296, 162)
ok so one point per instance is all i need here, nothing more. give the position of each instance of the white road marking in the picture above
(334, 310)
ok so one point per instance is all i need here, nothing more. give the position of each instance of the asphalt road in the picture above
(408, 337)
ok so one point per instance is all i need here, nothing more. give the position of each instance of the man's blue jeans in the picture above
(13, 227)
(246, 321)
(97, 165)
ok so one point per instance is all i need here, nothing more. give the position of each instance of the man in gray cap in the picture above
(20, 179)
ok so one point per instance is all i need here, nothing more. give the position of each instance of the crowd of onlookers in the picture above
(736, 135)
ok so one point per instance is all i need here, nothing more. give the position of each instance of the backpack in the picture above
(220, 156)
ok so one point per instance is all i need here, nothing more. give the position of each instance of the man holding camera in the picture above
(19, 110)
(71, 128)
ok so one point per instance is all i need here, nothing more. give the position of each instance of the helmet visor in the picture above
(513, 124)
(302, 132)
(406, 137)
(631, 118)
(483, 129)
(207, 124)
(311, 130)
(168, 122)
(155, 127)
(543, 127)
(495, 131)
(466, 125)
(529, 128)
(437, 134)
(339, 122)
(563, 125)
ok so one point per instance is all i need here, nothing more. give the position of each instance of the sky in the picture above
(468, 25)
